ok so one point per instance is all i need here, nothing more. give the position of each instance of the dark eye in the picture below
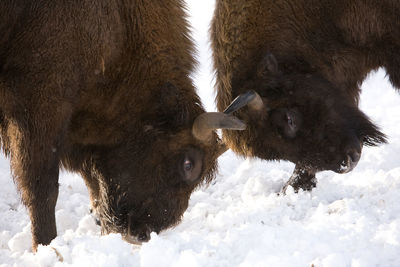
(290, 121)
(293, 121)
(187, 165)
(191, 165)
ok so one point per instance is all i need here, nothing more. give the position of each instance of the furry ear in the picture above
(172, 106)
(267, 66)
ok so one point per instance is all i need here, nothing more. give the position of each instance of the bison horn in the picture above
(206, 123)
(250, 98)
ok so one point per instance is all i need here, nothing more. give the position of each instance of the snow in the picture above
(348, 220)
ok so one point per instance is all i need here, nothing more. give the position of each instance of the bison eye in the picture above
(293, 122)
(187, 165)
(288, 121)
(191, 165)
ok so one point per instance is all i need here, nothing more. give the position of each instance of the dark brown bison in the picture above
(304, 62)
(102, 88)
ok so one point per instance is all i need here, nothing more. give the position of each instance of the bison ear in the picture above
(267, 66)
(170, 105)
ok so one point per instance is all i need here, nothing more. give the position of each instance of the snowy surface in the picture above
(239, 220)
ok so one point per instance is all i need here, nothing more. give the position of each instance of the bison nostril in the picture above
(138, 236)
(144, 236)
(350, 161)
(353, 155)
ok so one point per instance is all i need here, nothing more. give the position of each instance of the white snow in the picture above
(240, 220)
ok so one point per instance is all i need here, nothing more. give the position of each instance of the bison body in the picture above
(102, 88)
(306, 60)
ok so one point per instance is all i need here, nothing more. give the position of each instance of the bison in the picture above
(103, 88)
(300, 65)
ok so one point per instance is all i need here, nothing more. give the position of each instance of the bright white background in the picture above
(348, 220)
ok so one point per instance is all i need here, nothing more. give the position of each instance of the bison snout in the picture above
(350, 161)
(138, 236)
(353, 156)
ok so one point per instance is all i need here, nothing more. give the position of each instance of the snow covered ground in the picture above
(239, 220)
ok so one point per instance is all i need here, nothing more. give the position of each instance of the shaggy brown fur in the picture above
(103, 89)
(307, 60)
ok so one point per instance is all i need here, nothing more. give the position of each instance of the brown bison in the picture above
(301, 63)
(102, 88)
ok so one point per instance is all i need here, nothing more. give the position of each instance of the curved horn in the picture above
(205, 123)
(250, 98)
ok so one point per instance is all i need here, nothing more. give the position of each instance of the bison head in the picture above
(303, 118)
(143, 184)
